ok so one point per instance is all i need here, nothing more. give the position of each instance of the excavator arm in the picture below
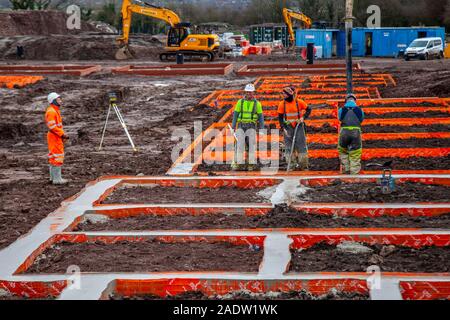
(179, 37)
(128, 8)
(288, 15)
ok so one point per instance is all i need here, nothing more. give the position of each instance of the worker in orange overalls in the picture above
(292, 113)
(55, 138)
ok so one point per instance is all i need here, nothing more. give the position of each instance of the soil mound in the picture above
(34, 22)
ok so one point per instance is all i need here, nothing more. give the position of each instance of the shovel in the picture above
(292, 147)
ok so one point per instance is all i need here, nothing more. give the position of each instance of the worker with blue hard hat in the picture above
(351, 117)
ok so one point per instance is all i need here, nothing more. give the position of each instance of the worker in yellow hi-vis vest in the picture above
(248, 116)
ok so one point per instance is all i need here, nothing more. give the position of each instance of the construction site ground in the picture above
(153, 108)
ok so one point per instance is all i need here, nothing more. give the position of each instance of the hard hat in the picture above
(250, 88)
(351, 104)
(52, 97)
(350, 96)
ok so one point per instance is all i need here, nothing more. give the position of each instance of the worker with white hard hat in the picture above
(248, 116)
(55, 138)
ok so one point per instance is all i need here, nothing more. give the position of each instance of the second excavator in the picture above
(179, 38)
(288, 16)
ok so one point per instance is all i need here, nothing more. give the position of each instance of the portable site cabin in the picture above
(387, 42)
(269, 33)
(325, 40)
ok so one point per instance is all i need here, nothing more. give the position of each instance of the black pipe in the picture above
(349, 31)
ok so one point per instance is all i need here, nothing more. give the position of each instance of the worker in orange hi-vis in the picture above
(292, 113)
(55, 138)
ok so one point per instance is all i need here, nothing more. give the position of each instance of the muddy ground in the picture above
(166, 195)
(148, 256)
(407, 192)
(333, 164)
(400, 129)
(151, 107)
(280, 217)
(324, 257)
(393, 115)
(408, 143)
(292, 295)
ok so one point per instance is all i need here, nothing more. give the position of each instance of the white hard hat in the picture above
(250, 88)
(52, 97)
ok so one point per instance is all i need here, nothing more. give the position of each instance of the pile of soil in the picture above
(157, 194)
(37, 22)
(292, 295)
(323, 257)
(281, 216)
(73, 47)
(407, 192)
(148, 256)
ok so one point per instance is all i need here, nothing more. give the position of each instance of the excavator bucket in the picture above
(123, 54)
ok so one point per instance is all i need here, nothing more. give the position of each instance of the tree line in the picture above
(394, 13)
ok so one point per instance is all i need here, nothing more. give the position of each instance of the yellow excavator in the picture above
(288, 16)
(179, 38)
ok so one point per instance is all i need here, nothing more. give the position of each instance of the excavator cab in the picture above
(178, 34)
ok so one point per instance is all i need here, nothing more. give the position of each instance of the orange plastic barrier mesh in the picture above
(425, 290)
(18, 81)
(172, 287)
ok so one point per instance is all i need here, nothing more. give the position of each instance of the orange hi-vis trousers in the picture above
(55, 142)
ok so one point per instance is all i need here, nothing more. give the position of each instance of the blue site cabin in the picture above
(389, 42)
(379, 42)
(325, 40)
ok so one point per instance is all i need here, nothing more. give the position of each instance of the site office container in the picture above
(326, 39)
(386, 42)
(269, 33)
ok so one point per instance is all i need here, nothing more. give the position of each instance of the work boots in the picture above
(51, 173)
(56, 176)
(303, 161)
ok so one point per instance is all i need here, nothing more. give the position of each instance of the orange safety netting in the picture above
(11, 82)
(174, 287)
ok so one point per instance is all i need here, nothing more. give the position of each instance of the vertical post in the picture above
(349, 32)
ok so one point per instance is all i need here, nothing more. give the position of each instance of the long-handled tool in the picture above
(235, 144)
(113, 106)
(291, 152)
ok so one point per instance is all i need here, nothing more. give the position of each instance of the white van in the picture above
(425, 48)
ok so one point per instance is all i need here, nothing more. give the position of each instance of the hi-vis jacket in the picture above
(55, 142)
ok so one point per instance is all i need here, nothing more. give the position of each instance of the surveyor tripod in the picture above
(113, 106)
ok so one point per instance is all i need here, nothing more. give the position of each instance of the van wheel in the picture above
(407, 59)
(427, 56)
(441, 55)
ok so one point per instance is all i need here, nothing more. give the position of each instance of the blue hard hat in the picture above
(351, 104)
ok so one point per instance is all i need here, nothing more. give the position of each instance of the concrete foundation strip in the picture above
(277, 243)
